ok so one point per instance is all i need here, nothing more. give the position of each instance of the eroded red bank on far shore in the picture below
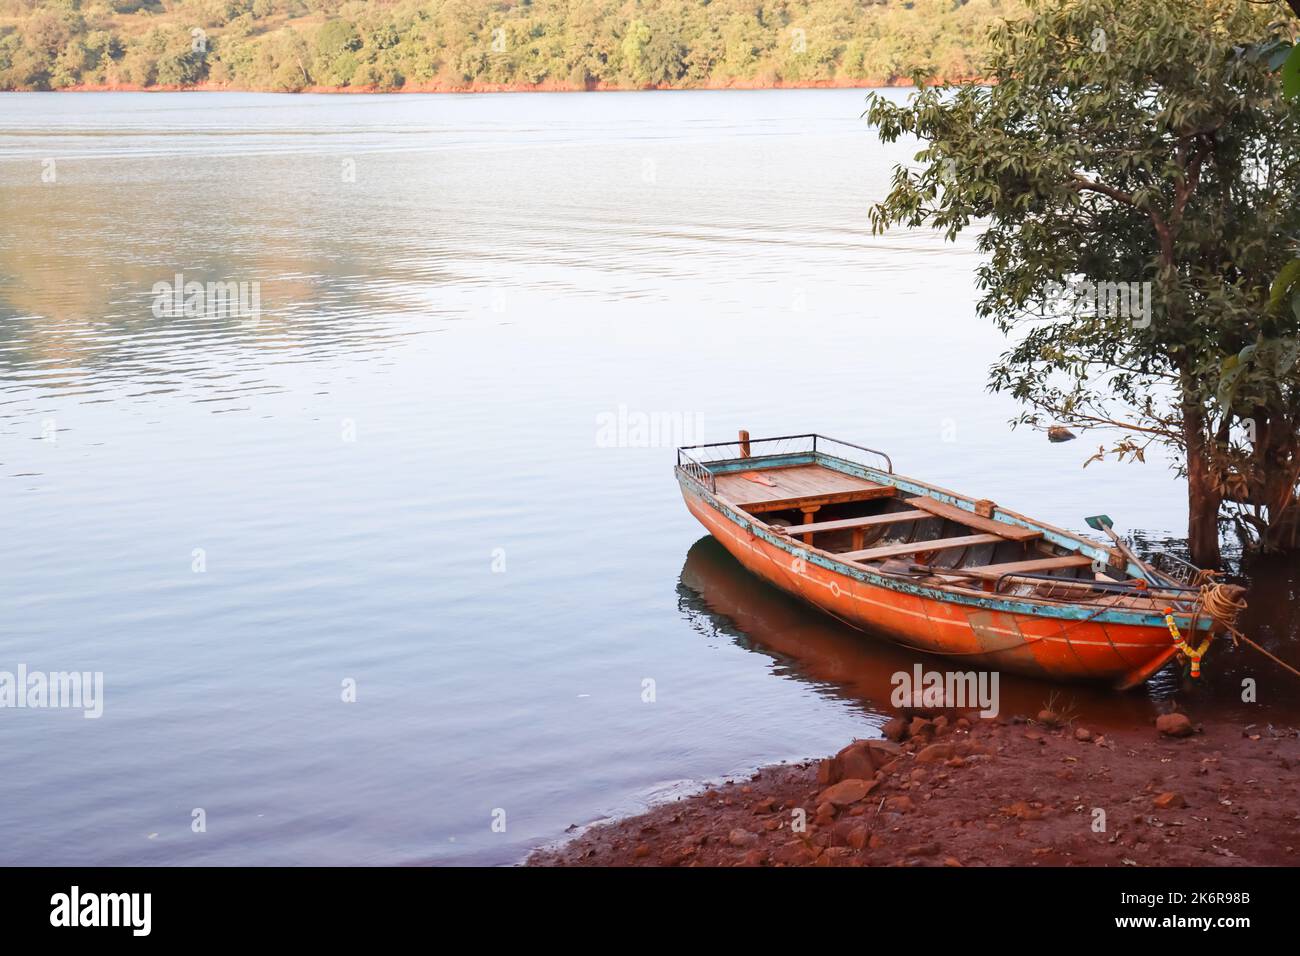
(1000, 792)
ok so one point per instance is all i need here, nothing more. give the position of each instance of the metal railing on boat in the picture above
(695, 459)
(696, 470)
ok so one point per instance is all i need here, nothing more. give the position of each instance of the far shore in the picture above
(546, 87)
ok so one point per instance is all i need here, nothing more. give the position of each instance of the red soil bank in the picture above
(986, 793)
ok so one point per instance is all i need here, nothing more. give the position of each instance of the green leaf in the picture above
(1277, 53)
(1291, 74)
(1286, 278)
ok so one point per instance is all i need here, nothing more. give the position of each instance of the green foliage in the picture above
(635, 40)
(337, 42)
(1291, 73)
(1130, 141)
(450, 44)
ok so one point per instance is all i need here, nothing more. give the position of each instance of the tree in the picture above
(336, 44)
(1127, 142)
(635, 41)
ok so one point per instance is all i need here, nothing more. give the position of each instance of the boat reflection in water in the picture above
(718, 596)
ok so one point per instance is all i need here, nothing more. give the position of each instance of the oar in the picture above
(1104, 524)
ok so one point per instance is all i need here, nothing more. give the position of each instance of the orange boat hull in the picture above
(1122, 655)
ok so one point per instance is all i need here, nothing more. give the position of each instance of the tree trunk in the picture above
(1278, 488)
(1271, 480)
(1204, 495)
(1283, 532)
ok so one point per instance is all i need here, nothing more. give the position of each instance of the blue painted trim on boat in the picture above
(732, 465)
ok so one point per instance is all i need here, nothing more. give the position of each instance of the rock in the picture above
(794, 853)
(895, 729)
(951, 861)
(842, 828)
(935, 753)
(1169, 800)
(766, 805)
(641, 852)
(1082, 734)
(920, 727)
(741, 838)
(1174, 725)
(1059, 433)
(833, 855)
(923, 849)
(1049, 718)
(854, 762)
(752, 858)
(899, 804)
(859, 760)
(846, 792)
(858, 838)
(1022, 811)
(883, 751)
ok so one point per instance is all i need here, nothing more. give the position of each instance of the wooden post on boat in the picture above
(809, 516)
(744, 443)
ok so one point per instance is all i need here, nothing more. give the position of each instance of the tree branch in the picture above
(1098, 421)
(1084, 184)
(1163, 232)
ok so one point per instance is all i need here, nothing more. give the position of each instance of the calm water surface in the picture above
(398, 475)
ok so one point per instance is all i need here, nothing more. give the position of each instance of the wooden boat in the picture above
(936, 571)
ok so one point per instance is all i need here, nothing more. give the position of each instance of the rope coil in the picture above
(1224, 604)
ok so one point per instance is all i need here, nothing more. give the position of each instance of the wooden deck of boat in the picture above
(793, 486)
(807, 488)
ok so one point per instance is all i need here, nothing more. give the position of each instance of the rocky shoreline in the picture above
(956, 790)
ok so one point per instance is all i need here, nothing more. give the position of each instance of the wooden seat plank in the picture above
(866, 521)
(916, 547)
(991, 572)
(810, 501)
(960, 515)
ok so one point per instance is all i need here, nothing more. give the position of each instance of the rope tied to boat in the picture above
(1224, 604)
